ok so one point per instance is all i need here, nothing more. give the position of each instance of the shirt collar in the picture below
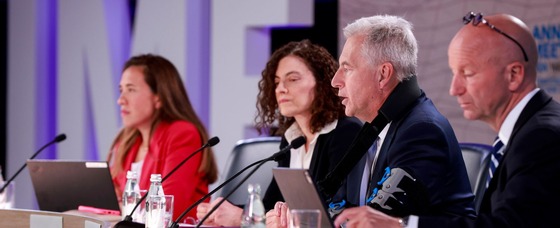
(294, 131)
(383, 132)
(507, 127)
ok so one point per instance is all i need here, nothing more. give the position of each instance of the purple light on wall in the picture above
(198, 58)
(45, 76)
(118, 24)
(256, 40)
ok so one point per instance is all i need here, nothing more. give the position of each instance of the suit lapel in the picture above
(355, 179)
(535, 104)
(317, 157)
(382, 161)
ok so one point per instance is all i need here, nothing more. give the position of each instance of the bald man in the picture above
(493, 60)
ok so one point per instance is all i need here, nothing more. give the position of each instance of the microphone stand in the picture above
(58, 138)
(176, 223)
(229, 194)
(296, 143)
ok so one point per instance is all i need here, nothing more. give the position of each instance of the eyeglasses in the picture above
(478, 18)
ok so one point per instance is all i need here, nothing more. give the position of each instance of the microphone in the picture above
(296, 143)
(57, 139)
(396, 106)
(127, 222)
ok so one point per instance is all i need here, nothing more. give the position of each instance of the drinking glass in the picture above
(305, 218)
(8, 197)
(168, 217)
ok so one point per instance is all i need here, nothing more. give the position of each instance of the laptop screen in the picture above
(64, 185)
(300, 192)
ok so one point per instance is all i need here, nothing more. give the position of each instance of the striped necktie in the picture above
(496, 157)
(371, 182)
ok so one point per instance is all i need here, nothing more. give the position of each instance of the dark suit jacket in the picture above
(422, 142)
(329, 150)
(525, 190)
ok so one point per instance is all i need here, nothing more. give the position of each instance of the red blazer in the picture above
(170, 144)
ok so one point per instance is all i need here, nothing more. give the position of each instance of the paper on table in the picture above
(40, 221)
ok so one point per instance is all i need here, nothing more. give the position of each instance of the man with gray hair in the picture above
(415, 164)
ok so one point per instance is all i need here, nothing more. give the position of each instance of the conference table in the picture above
(35, 219)
(21, 218)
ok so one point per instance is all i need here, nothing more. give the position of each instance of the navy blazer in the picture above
(525, 190)
(329, 150)
(422, 142)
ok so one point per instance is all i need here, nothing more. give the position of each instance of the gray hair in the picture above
(387, 39)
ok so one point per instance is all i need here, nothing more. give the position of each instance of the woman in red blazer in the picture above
(160, 129)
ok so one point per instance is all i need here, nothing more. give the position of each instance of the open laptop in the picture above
(300, 192)
(64, 185)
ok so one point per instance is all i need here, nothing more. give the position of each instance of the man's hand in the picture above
(226, 215)
(365, 216)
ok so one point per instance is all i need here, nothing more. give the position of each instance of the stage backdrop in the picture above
(65, 58)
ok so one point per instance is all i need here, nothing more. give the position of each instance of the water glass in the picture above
(130, 202)
(8, 197)
(305, 218)
(160, 211)
(168, 217)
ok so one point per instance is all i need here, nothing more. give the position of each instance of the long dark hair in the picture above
(164, 81)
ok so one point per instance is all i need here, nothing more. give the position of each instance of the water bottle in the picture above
(253, 213)
(131, 195)
(155, 203)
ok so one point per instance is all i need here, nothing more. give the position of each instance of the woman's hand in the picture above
(278, 217)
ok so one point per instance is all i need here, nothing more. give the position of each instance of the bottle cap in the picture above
(256, 188)
(155, 178)
(131, 174)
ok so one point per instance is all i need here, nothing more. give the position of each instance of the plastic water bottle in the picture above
(131, 195)
(253, 213)
(155, 203)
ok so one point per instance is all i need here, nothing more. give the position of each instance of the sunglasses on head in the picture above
(478, 18)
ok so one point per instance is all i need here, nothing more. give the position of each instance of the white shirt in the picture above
(137, 167)
(300, 158)
(507, 126)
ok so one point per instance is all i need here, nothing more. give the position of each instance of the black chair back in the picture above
(244, 153)
(477, 160)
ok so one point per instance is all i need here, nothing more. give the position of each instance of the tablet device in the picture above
(65, 185)
(300, 192)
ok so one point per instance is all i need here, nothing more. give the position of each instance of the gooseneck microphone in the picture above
(127, 222)
(296, 143)
(57, 139)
